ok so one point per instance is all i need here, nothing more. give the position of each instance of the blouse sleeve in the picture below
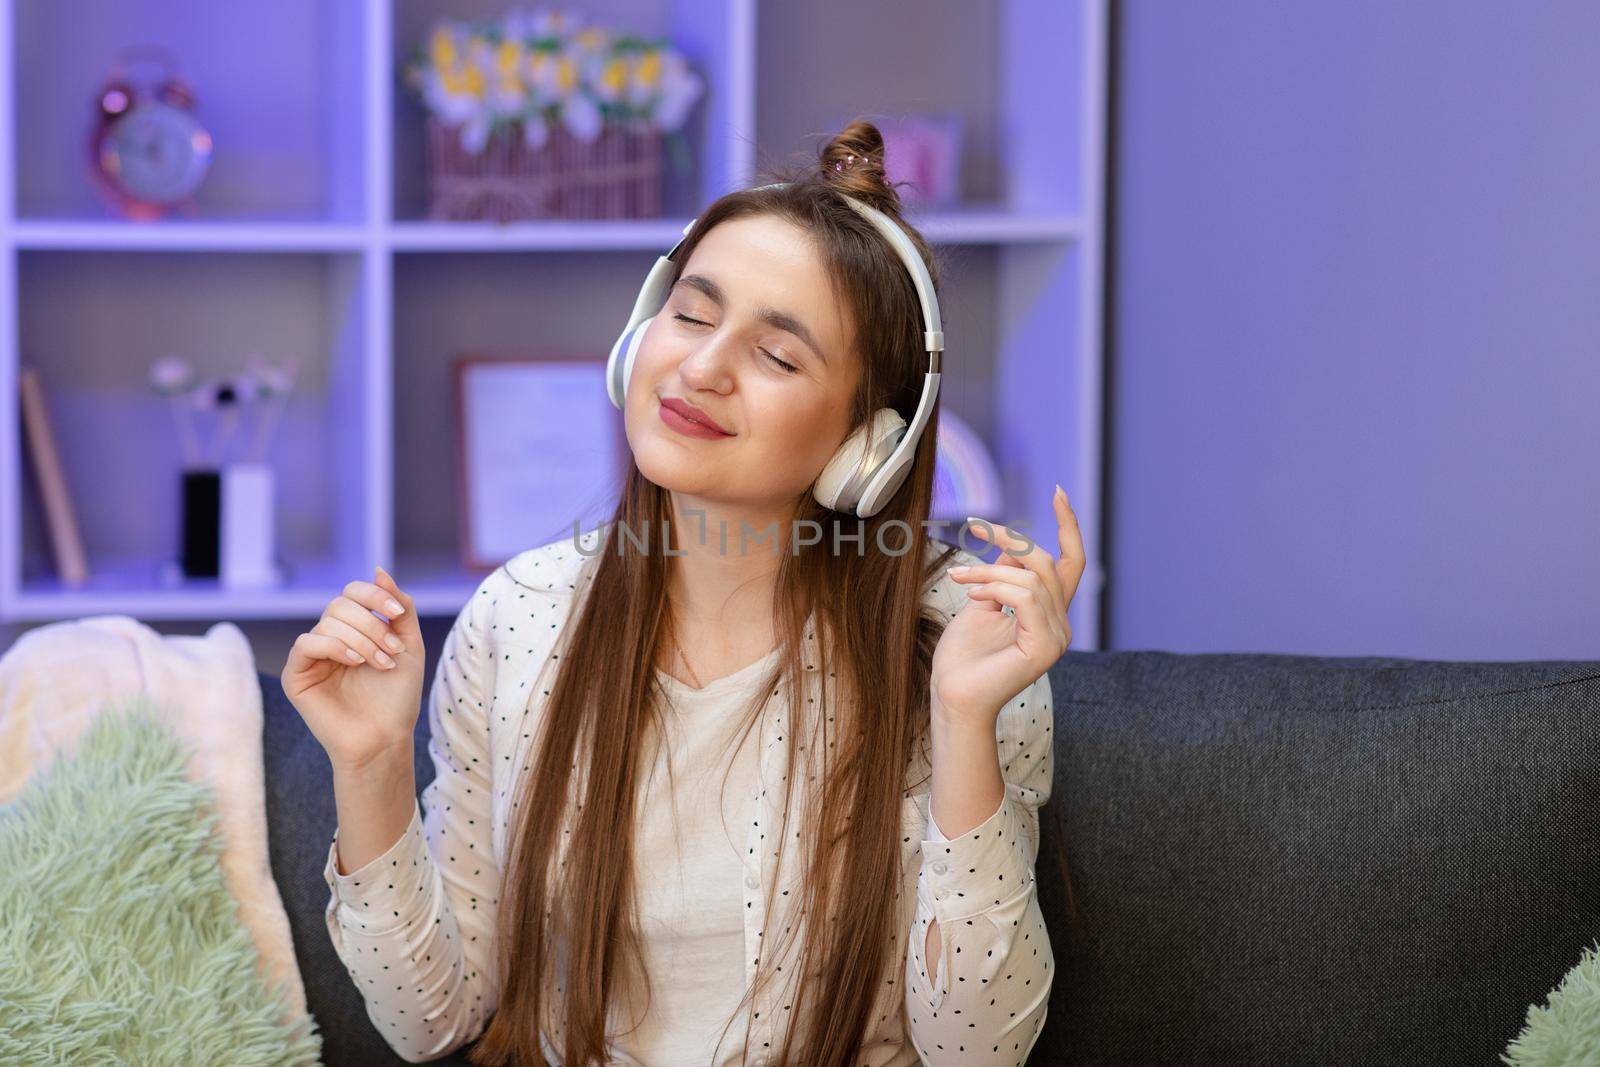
(415, 926)
(995, 963)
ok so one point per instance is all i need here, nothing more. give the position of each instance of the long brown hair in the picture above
(874, 642)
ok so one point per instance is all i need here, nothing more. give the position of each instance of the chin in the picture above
(668, 467)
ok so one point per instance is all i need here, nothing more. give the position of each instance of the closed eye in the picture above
(788, 368)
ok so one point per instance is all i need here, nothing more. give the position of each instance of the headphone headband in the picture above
(933, 332)
(875, 480)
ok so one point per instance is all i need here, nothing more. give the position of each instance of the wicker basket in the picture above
(617, 176)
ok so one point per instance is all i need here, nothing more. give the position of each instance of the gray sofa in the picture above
(1273, 859)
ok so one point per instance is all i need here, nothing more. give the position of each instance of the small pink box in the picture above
(925, 151)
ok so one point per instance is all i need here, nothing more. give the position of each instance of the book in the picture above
(66, 544)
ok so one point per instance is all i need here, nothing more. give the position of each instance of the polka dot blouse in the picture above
(415, 926)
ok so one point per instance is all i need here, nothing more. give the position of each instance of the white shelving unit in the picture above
(313, 241)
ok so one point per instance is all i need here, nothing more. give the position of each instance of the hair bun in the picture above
(852, 162)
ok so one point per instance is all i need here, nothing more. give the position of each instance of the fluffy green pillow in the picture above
(120, 941)
(1567, 1033)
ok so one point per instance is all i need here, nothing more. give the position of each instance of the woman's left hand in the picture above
(987, 656)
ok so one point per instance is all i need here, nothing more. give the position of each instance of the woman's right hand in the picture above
(356, 707)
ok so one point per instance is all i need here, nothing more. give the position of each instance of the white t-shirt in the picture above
(415, 925)
(693, 918)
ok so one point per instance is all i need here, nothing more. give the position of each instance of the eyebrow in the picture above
(781, 320)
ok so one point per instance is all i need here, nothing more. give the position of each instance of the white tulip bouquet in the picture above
(539, 68)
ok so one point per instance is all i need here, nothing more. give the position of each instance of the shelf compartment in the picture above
(93, 322)
(279, 86)
(569, 306)
(574, 303)
(705, 31)
(989, 62)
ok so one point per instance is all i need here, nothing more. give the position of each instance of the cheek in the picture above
(649, 365)
(652, 353)
(794, 429)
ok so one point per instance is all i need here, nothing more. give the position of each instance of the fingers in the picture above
(1028, 557)
(995, 533)
(405, 622)
(1023, 590)
(349, 633)
(375, 597)
(336, 623)
(358, 620)
(1070, 567)
(325, 646)
(1061, 575)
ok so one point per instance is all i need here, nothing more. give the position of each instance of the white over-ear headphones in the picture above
(874, 460)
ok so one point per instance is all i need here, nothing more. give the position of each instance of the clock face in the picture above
(156, 153)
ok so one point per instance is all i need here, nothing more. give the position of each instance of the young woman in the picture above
(713, 799)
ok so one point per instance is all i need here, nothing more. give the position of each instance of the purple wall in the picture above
(1355, 329)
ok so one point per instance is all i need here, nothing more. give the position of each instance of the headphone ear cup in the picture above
(619, 365)
(857, 459)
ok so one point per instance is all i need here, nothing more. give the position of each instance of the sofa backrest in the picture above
(1281, 859)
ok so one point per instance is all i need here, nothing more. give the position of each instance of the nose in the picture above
(707, 364)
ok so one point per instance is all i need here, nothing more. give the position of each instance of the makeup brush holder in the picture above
(200, 521)
(229, 525)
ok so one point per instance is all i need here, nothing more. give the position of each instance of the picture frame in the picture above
(539, 446)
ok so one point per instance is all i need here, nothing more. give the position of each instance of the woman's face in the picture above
(751, 295)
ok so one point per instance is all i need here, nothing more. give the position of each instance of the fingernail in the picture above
(352, 655)
(394, 607)
(975, 522)
(382, 658)
(958, 570)
(394, 643)
(1060, 491)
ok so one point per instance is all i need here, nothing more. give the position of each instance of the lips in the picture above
(690, 412)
